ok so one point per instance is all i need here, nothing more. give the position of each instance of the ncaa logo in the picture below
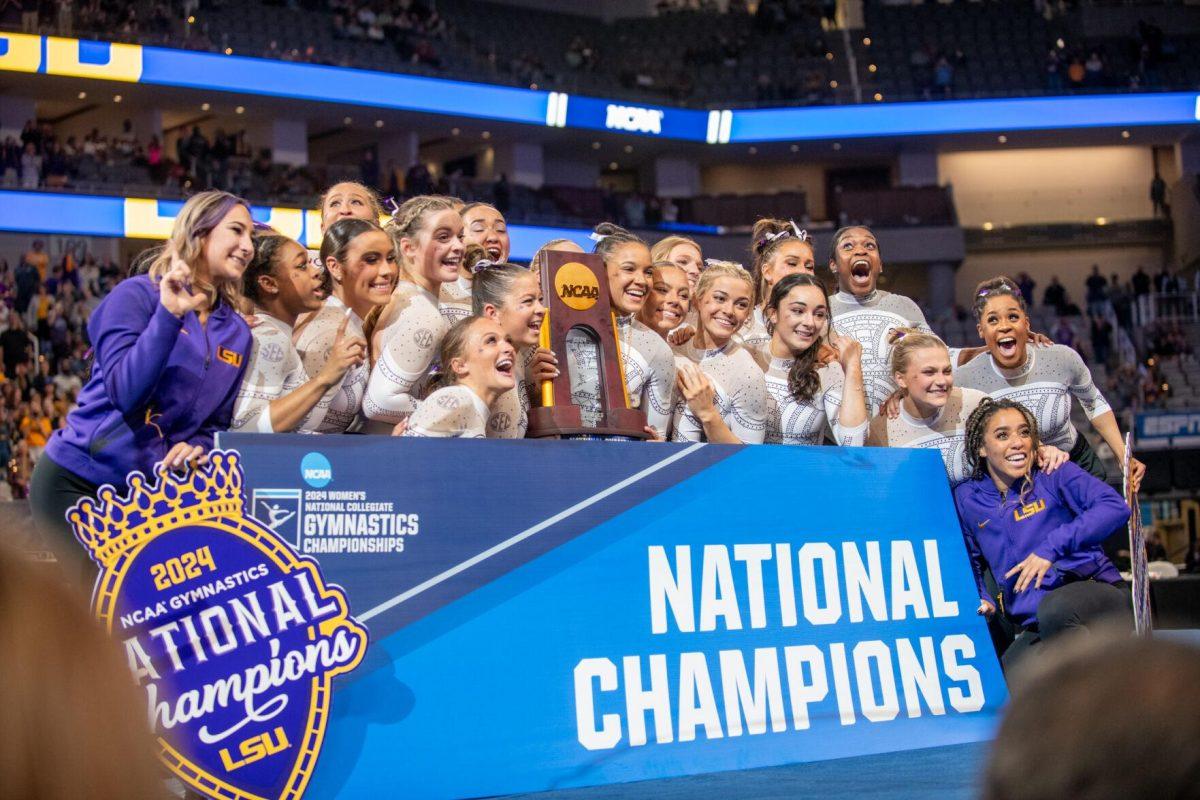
(633, 119)
(576, 286)
(316, 470)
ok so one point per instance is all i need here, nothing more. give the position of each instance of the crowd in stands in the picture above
(44, 308)
(777, 53)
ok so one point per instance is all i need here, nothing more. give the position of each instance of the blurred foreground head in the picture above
(1106, 717)
(72, 722)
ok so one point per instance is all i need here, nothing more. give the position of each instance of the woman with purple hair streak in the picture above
(170, 351)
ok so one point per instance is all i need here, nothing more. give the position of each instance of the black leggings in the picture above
(1085, 457)
(1074, 607)
(53, 490)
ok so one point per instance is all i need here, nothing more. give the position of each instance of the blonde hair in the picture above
(553, 244)
(409, 220)
(200, 215)
(372, 198)
(906, 341)
(721, 269)
(663, 247)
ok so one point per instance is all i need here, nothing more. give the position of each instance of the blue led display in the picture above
(963, 116)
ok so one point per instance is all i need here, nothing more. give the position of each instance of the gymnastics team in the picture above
(422, 327)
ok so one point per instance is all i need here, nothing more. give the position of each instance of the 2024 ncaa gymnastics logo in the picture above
(234, 637)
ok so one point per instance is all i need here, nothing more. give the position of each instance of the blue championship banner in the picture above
(234, 638)
(557, 614)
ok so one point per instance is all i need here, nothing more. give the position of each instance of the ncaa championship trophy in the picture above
(575, 288)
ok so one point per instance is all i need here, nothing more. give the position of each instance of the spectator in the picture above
(1076, 73)
(16, 346)
(502, 194)
(1055, 296)
(1097, 292)
(1093, 71)
(1158, 196)
(368, 169)
(31, 167)
(1054, 71)
(1122, 302)
(635, 211)
(1101, 339)
(1027, 286)
(943, 77)
(37, 257)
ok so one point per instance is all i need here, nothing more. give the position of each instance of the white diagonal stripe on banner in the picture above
(522, 536)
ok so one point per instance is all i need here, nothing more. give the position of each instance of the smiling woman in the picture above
(154, 394)
(427, 234)
(724, 393)
(479, 366)
(1043, 379)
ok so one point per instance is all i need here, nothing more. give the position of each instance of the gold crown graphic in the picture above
(111, 526)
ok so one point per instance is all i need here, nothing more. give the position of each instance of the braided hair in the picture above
(803, 381)
(409, 220)
(996, 287)
(492, 281)
(977, 427)
(768, 236)
(611, 236)
(266, 253)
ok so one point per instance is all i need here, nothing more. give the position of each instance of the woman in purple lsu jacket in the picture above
(1040, 533)
(169, 353)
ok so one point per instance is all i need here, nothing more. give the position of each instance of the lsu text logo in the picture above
(233, 637)
(634, 119)
(230, 357)
(577, 286)
(1028, 510)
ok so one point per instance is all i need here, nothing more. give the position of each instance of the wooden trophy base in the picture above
(566, 422)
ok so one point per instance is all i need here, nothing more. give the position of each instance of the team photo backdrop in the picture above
(555, 614)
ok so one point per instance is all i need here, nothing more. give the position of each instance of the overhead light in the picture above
(1002, 139)
(205, 106)
(1124, 134)
(347, 120)
(1061, 44)
(1101, 221)
(228, 51)
(795, 148)
(83, 95)
(613, 165)
(117, 98)
(871, 68)
(837, 145)
(378, 123)
(191, 20)
(878, 97)
(240, 110)
(829, 56)
(533, 86)
(987, 226)
(752, 150)
(866, 41)
(833, 84)
(595, 145)
(486, 134)
(628, 148)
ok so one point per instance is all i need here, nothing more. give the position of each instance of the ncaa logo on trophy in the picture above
(575, 288)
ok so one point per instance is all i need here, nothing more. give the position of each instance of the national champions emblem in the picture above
(234, 638)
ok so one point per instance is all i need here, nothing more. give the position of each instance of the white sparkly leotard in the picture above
(1044, 384)
(274, 370)
(453, 412)
(406, 344)
(454, 300)
(869, 321)
(946, 431)
(314, 344)
(510, 413)
(791, 421)
(740, 388)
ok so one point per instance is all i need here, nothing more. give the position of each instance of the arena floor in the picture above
(947, 773)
